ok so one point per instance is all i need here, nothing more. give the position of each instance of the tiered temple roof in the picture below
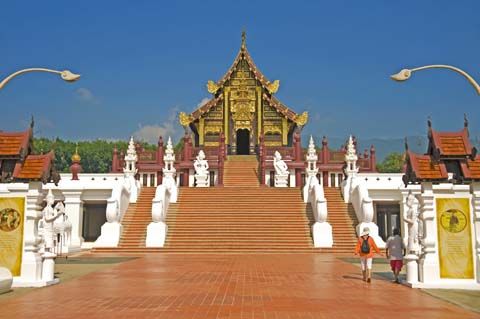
(448, 153)
(17, 164)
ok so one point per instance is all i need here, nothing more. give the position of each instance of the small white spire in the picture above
(130, 158)
(351, 158)
(169, 160)
(169, 153)
(311, 158)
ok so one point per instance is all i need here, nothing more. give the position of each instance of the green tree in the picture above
(393, 163)
(96, 155)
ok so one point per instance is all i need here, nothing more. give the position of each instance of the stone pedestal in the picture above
(110, 235)
(281, 180)
(48, 270)
(156, 233)
(322, 235)
(201, 180)
(412, 268)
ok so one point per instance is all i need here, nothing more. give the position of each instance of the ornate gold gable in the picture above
(243, 99)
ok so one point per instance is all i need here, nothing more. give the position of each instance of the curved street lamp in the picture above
(405, 74)
(66, 75)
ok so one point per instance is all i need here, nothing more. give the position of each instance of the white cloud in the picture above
(86, 95)
(150, 132)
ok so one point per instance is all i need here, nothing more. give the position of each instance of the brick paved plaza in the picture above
(229, 286)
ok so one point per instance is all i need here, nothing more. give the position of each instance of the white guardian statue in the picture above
(281, 171)
(201, 170)
(411, 218)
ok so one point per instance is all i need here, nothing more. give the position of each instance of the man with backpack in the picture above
(366, 247)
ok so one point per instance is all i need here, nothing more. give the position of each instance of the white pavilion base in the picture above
(19, 283)
(322, 235)
(447, 284)
(156, 234)
(110, 235)
(281, 180)
(6, 280)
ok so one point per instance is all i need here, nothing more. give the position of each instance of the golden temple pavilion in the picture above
(243, 106)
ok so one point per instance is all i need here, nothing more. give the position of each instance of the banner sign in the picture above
(454, 238)
(12, 215)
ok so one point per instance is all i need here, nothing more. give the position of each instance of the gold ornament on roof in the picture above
(273, 86)
(212, 87)
(301, 119)
(76, 157)
(184, 119)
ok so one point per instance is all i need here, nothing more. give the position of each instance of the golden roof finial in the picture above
(244, 38)
(76, 157)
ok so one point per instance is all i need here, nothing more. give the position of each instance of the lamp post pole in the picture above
(66, 75)
(405, 74)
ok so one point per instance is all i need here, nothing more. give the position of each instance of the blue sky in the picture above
(143, 61)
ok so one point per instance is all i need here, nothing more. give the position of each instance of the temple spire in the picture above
(244, 39)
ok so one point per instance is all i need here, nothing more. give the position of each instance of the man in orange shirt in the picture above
(366, 247)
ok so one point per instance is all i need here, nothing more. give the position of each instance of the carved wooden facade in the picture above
(243, 106)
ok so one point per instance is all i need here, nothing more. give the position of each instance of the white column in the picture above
(476, 225)
(31, 269)
(351, 170)
(429, 267)
(74, 211)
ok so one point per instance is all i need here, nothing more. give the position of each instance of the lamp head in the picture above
(402, 75)
(69, 76)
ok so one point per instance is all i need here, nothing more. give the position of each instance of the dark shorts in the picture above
(396, 264)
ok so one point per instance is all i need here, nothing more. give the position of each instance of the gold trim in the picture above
(273, 86)
(226, 93)
(201, 130)
(259, 115)
(301, 119)
(211, 144)
(212, 129)
(184, 119)
(273, 143)
(212, 87)
(284, 131)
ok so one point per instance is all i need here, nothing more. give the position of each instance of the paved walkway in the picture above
(229, 286)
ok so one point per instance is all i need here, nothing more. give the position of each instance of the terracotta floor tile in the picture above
(228, 286)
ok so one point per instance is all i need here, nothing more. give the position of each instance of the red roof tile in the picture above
(452, 143)
(473, 171)
(11, 144)
(34, 167)
(425, 168)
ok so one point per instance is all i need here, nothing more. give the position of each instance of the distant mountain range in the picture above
(383, 147)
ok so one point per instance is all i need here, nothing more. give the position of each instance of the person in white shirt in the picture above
(395, 251)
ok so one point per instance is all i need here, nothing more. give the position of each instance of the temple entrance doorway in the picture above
(93, 219)
(243, 142)
(388, 218)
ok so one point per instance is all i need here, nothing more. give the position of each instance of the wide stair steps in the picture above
(342, 218)
(239, 220)
(135, 222)
(241, 170)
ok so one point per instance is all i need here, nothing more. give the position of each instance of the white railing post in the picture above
(165, 194)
